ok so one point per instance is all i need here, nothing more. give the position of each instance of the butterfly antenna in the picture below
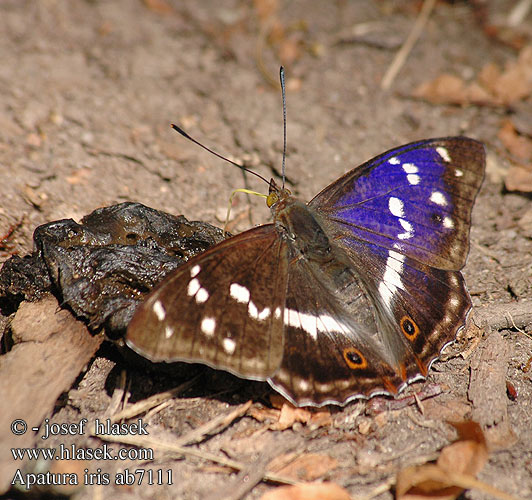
(241, 167)
(283, 93)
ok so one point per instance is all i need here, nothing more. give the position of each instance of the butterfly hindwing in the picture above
(332, 346)
(221, 308)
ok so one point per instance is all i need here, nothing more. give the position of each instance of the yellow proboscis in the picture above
(239, 190)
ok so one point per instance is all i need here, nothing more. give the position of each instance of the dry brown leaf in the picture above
(493, 86)
(444, 89)
(264, 414)
(465, 457)
(308, 467)
(308, 491)
(469, 454)
(159, 6)
(515, 82)
(519, 146)
(266, 8)
(289, 414)
(277, 401)
(454, 409)
(519, 179)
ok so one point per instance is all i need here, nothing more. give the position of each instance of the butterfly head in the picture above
(276, 194)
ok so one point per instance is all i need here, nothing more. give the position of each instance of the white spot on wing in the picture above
(264, 314)
(168, 331)
(159, 310)
(193, 287)
(255, 314)
(443, 153)
(391, 280)
(396, 206)
(277, 312)
(208, 325)
(454, 302)
(438, 198)
(195, 271)
(458, 173)
(409, 230)
(239, 293)
(252, 310)
(394, 161)
(202, 296)
(229, 345)
(410, 168)
(413, 179)
(303, 385)
(313, 324)
(448, 223)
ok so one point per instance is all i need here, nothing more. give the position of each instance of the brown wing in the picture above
(223, 308)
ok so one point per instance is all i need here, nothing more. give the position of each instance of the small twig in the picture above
(497, 316)
(469, 482)
(151, 402)
(118, 394)
(253, 474)
(157, 409)
(517, 328)
(213, 426)
(246, 480)
(518, 13)
(148, 442)
(486, 251)
(410, 41)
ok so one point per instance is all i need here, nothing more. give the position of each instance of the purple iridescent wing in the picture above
(415, 200)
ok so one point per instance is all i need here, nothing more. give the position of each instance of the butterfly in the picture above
(351, 295)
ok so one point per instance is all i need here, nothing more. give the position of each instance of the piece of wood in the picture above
(487, 390)
(51, 349)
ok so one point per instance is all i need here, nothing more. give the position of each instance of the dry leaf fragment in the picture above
(444, 89)
(445, 479)
(493, 86)
(519, 179)
(159, 6)
(289, 415)
(308, 491)
(519, 146)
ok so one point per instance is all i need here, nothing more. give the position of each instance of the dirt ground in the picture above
(87, 92)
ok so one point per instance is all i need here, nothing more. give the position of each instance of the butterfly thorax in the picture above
(297, 224)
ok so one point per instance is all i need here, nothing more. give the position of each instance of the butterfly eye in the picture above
(354, 358)
(409, 328)
(272, 199)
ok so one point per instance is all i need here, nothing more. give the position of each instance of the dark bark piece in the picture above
(103, 267)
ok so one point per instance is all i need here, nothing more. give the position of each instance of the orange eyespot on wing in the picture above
(409, 328)
(354, 358)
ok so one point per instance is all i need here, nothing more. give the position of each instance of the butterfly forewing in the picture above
(415, 199)
(222, 308)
